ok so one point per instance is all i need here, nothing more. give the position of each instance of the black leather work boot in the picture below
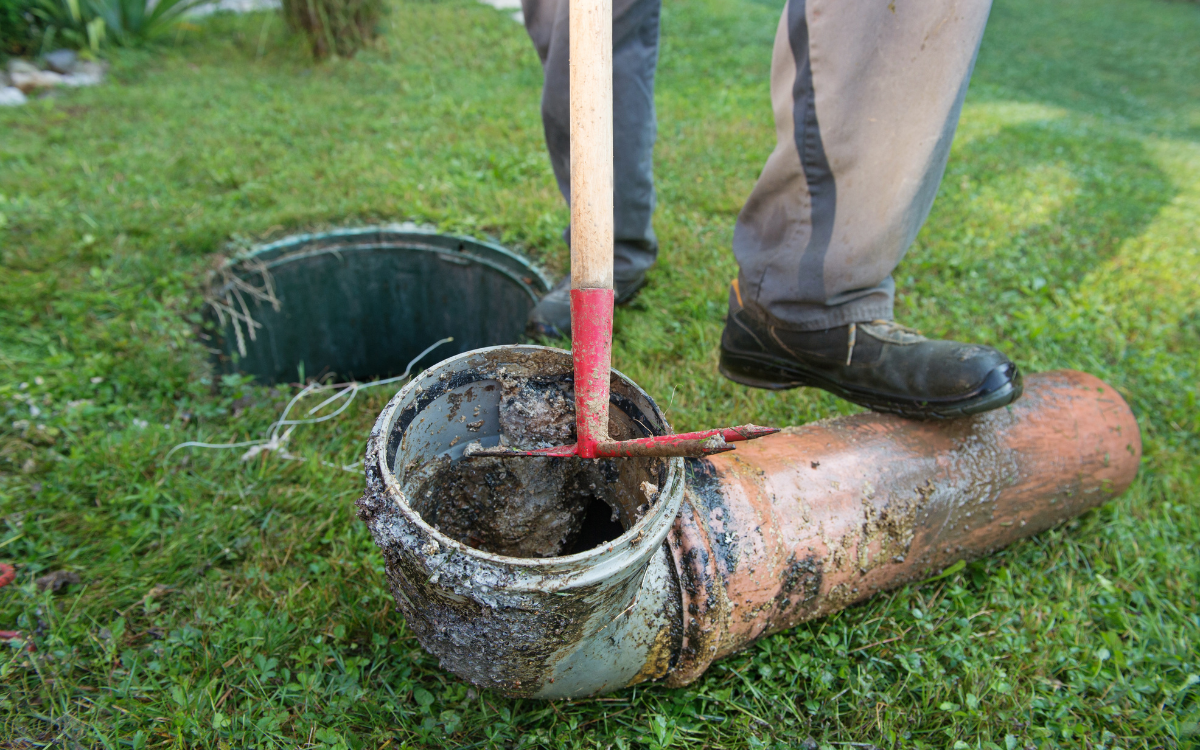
(878, 364)
(551, 317)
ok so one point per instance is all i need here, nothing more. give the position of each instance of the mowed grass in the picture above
(230, 604)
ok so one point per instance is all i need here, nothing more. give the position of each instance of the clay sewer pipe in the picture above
(788, 528)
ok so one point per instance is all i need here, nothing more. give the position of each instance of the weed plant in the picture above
(335, 27)
(34, 27)
(15, 36)
(231, 604)
(131, 22)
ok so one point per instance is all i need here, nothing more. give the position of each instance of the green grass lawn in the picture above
(239, 605)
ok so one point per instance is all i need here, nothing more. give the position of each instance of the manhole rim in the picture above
(397, 237)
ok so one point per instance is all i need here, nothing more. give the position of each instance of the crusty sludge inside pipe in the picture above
(785, 529)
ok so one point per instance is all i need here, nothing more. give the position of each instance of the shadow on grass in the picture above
(1032, 208)
(1136, 61)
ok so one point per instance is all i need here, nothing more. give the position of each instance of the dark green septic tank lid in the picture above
(361, 303)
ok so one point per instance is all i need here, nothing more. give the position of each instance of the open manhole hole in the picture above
(362, 303)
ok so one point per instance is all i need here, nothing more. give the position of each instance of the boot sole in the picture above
(769, 373)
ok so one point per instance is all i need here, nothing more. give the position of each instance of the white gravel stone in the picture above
(18, 66)
(38, 79)
(11, 96)
(86, 73)
(62, 61)
(234, 6)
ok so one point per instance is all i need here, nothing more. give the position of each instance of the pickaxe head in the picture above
(591, 352)
(703, 443)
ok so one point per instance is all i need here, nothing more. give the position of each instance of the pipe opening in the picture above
(525, 507)
(522, 507)
(359, 304)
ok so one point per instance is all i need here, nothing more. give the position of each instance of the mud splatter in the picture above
(535, 414)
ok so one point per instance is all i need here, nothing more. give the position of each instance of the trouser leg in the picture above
(635, 53)
(866, 96)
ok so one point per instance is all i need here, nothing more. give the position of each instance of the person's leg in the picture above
(866, 97)
(635, 54)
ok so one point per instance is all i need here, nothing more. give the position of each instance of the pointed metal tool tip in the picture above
(749, 432)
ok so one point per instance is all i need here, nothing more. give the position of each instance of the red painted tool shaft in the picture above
(591, 351)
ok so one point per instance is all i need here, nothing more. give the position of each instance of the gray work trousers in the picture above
(866, 96)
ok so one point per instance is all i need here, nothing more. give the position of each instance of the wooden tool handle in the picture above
(591, 144)
(591, 218)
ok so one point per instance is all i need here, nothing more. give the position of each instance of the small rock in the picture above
(62, 61)
(11, 96)
(232, 6)
(57, 580)
(30, 81)
(19, 66)
(87, 73)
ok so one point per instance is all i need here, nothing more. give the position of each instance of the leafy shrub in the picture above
(33, 27)
(335, 27)
(14, 28)
(66, 23)
(130, 22)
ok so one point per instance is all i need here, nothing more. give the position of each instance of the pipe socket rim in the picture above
(582, 568)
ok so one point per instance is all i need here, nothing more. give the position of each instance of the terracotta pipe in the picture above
(788, 528)
(804, 523)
